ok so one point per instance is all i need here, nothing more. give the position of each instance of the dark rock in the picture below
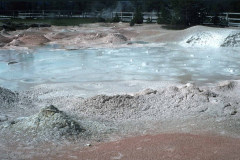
(234, 113)
(12, 62)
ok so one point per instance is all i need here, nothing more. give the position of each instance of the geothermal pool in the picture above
(153, 63)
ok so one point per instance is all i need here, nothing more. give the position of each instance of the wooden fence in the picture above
(128, 16)
(227, 19)
(124, 16)
(230, 19)
(233, 19)
(47, 14)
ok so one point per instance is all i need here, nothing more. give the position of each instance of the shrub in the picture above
(100, 19)
(224, 22)
(116, 18)
(160, 20)
(138, 17)
(149, 20)
(216, 20)
(132, 22)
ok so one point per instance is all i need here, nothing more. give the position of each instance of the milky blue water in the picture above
(163, 63)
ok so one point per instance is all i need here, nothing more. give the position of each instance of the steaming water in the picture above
(163, 63)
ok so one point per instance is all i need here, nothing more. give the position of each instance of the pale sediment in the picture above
(119, 35)
(176, 103)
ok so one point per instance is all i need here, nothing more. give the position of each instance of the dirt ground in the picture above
(176, 122)
(100, 35)
(158, 147)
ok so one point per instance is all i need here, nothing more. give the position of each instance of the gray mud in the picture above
(27, 125)
(49, 124)
(102, 117)
(7, 98)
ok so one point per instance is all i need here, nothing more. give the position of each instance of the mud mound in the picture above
(113, 106)
(16, 43)
(227, 85)
(4, 33)
(48, 123)
(29, 33)
(205, 39)
(94, 36)
(232, 41)
(45, 29)
(200, 36)
(33, 38)
(116, 38)
(164, 103)
(7, 98)
(103, 101)
(61, 35)
(128, 33)
(4, 39)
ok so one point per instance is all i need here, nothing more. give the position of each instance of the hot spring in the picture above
(171, 63)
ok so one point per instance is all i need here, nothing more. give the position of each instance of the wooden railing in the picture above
(235, 22)
(128, 16)
(228, 19)
(124, 16)
(231, 19)
(46, 14)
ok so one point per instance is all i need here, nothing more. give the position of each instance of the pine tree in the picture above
(138, 16)
(116, 18)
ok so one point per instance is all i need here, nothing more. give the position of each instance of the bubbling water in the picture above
(163, 63)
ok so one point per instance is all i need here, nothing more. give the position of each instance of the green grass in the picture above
(56, 21)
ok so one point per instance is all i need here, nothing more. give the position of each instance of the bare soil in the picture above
(159, 147)
(99, 35)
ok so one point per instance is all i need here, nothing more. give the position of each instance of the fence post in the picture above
(227, 19)
(43, 12)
